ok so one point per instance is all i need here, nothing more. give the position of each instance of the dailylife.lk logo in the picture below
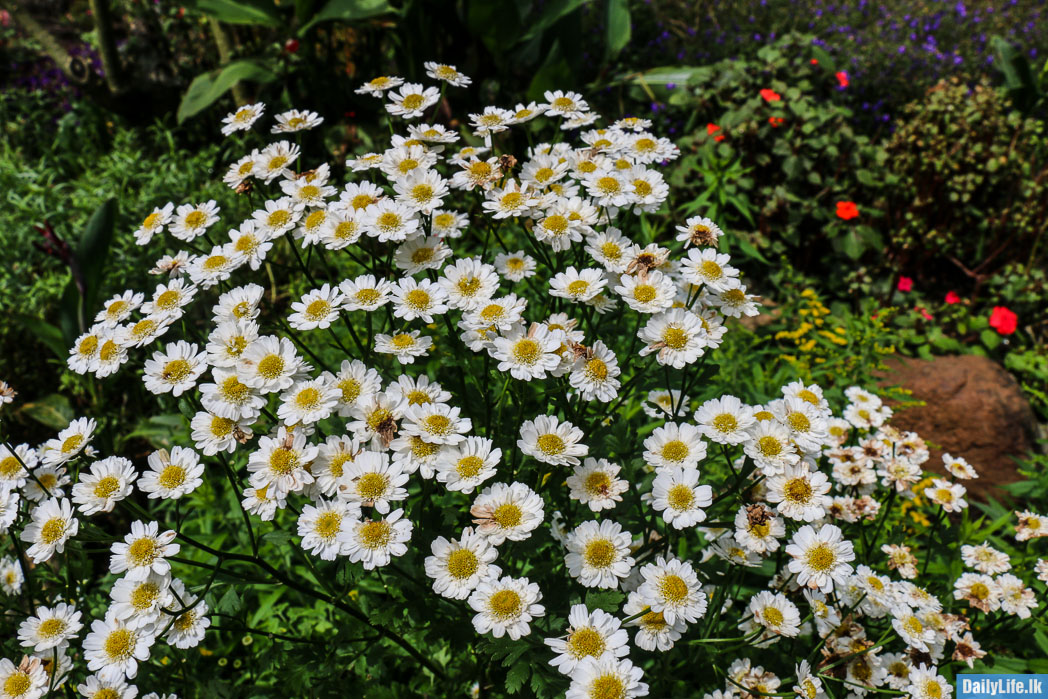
(1002, 686)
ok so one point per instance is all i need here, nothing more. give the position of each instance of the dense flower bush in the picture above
(478, 384)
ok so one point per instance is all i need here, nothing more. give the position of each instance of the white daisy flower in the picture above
(515, 266)
(47, 482)
(295, 120)
(672, 587)
(820, 558)
(776, 613)
(318, 308)
(677, 335)
(458, 566)
(11, 577)
(799, 493)
(676, 493)
(377, 86)
(419, 254)
(608, 676)
(96, 688)
(276, 160)
(51, 524)
(598, 554)
(153, 223)
(595, 634)
(365, 292)
(138, 604)
(758, 529)
(504, 512)
(240, 171)
(927, 683)
(172, 475)
(169, 299)
(551, 441)
(282, 462)
(373, 543)
(175, 370)
(324, 528)
(191, 619)
(467, 465)
(270, 364)
(491, 120)
(421, 190)
(653, 631)
(411, 100)
(118, 309)
(192, 220)
(50, 628)
(770, 447)
(84, 353)
(710, 268)
(578, 286)
(230, 398)
(143, 551)
(699, 231)
(390, 221)
(529, 355)
(958, 467)
(13, 465)
(242, 119)
(950, 496)
(405, 346)
(370, 480)
(725, 420)
(469, 283)
(212, 434)
(105, 483)
(27, 680)
(69, 443)
(513, 199)
(565, 104)
(596, 484)
(675, 445)
(206, 271)
(113, 650)
(505, 605)
(307, 402)
(448, 224)
(608, 188)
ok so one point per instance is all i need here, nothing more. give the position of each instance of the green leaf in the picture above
(608, 600)
(348, 11)
(229, 602)
(206, 88)
(550, 15)
(554, 72)
(54, 411)
(92, 253)
(990, 338)
(517, 676)
(47, 333)
(617, 33)
(257, 12)
(159, 430)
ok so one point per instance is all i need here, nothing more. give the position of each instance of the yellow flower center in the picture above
(673, 588)
(375, 535)
(680, 497)
(151, 220)
(234, 391)
(675, 338)
(17, 684)
(88, 346)
(367, 296)
(462, 564)
(820, 558)
(799, 422)
(195, 219)
(372, 486)
(598, 483)
(144, 596)
(271, 366)
(599, 553)
(142, 552)
(318, 310)
(798, 490)
(710, 270)
(172, 476)
(469, 466)
(585, 642)
(120, 644)
(413, 101)
(505, 605)
(176, 371)
(526, 351)
(675, 450)
(608, 185)
(9, 467)
(578, 287)
(596, 370)
(550, 444)
(49, 628)
(507, 515)
(512, 200)
(773, 616)
(402, 341)
(283, 461)
(53, 530)
(769, 446)
(328, 524)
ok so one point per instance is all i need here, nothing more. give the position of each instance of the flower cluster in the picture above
(325, 418)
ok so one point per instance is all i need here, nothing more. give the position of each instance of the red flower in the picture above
(291, 45)
(776, 122)
(712, 129)
(815, 61)
(923, 311)
(842, 78)
(847, 210)
(952, 298)
(1003, 321)
(905, 284)
(770, 95)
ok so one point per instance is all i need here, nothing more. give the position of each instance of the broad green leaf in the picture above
(608, 600)
(549, 16)
(47, 333)
(206, 88)
(348, 11)
(260, 12)
(54, 411)
(617, 32)
(517, 676)
(92, 253)
(554, 72)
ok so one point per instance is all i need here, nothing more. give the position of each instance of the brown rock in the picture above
(973, 408)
